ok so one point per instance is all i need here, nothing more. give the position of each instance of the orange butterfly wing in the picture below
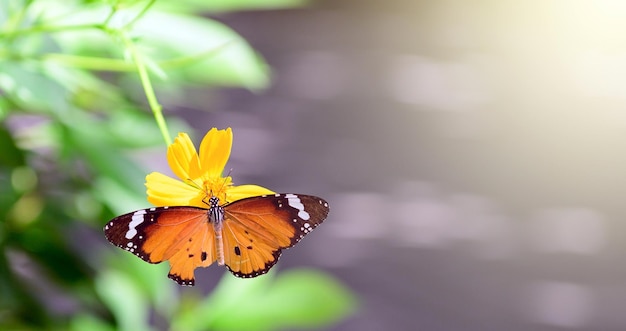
(182, 235)
(256, 229)
(254, 232)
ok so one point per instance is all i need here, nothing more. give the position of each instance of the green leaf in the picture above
(293, 299)
(11, 155)
(230, 5)
(227, 296)
(150, 279)
(319, 300)
(87, 138)
(18, 306)
(117, 197)
(234, 63)
(90, 40)
(82, 322)
(125, 300)
(31, 89)
(44, 242)
(133, 128)
(84, 88)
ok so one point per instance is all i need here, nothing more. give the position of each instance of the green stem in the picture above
(14, 21)
(43, 28)
(139, 15)
(147, 87)
(89, 62)
(110, 16)
(108, 64)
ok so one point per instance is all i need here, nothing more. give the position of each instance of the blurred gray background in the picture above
(473, 153)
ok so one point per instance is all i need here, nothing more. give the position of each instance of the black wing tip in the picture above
(115, 237)
(180, 281)
(138, 252)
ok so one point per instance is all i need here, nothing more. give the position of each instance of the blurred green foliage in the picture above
(74, 80)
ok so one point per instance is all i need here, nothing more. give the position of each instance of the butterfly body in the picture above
(247, 235)
(216, 216)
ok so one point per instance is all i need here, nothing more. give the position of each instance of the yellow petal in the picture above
(215, 151)
(235, 193)
(183, 159)
(163, 190)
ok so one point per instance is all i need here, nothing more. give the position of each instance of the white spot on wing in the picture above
(304, 215)
(136, 219)
(295, 202)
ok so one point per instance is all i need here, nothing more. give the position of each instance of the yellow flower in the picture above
(200, 174)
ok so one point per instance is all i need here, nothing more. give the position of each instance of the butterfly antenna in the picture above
(230, 171)
(225, 182)
(191, 182)
(200, 188)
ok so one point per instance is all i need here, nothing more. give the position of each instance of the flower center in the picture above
(217, 187)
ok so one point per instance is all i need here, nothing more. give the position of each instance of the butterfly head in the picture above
(214, 202)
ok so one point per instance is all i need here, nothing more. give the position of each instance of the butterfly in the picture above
(247, 235)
